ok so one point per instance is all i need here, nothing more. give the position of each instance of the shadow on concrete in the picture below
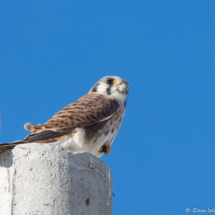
(6, 158)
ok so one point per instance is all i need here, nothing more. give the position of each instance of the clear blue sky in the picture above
(53, 52)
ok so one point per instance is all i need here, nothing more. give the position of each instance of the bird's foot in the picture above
(106, 149)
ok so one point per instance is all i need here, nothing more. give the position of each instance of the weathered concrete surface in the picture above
(38, 179)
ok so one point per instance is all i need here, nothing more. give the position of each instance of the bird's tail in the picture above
(6, 146)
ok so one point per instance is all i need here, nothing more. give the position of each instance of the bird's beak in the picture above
(122, 88)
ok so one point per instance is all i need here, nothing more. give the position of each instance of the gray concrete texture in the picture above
(39, 179)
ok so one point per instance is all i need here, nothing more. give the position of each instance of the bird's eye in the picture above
(110, 81)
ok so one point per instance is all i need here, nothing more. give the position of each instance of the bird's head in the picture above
(112, 85)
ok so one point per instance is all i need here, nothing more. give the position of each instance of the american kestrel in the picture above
(89, 124)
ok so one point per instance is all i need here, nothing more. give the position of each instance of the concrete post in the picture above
(39, 179)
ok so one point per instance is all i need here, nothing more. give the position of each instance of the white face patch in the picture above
(102, 88)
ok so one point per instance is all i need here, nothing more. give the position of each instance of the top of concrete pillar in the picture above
(44, 179)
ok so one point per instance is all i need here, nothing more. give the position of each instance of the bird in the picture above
(89, 124)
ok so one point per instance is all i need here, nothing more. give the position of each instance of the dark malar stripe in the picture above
(108, 90)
